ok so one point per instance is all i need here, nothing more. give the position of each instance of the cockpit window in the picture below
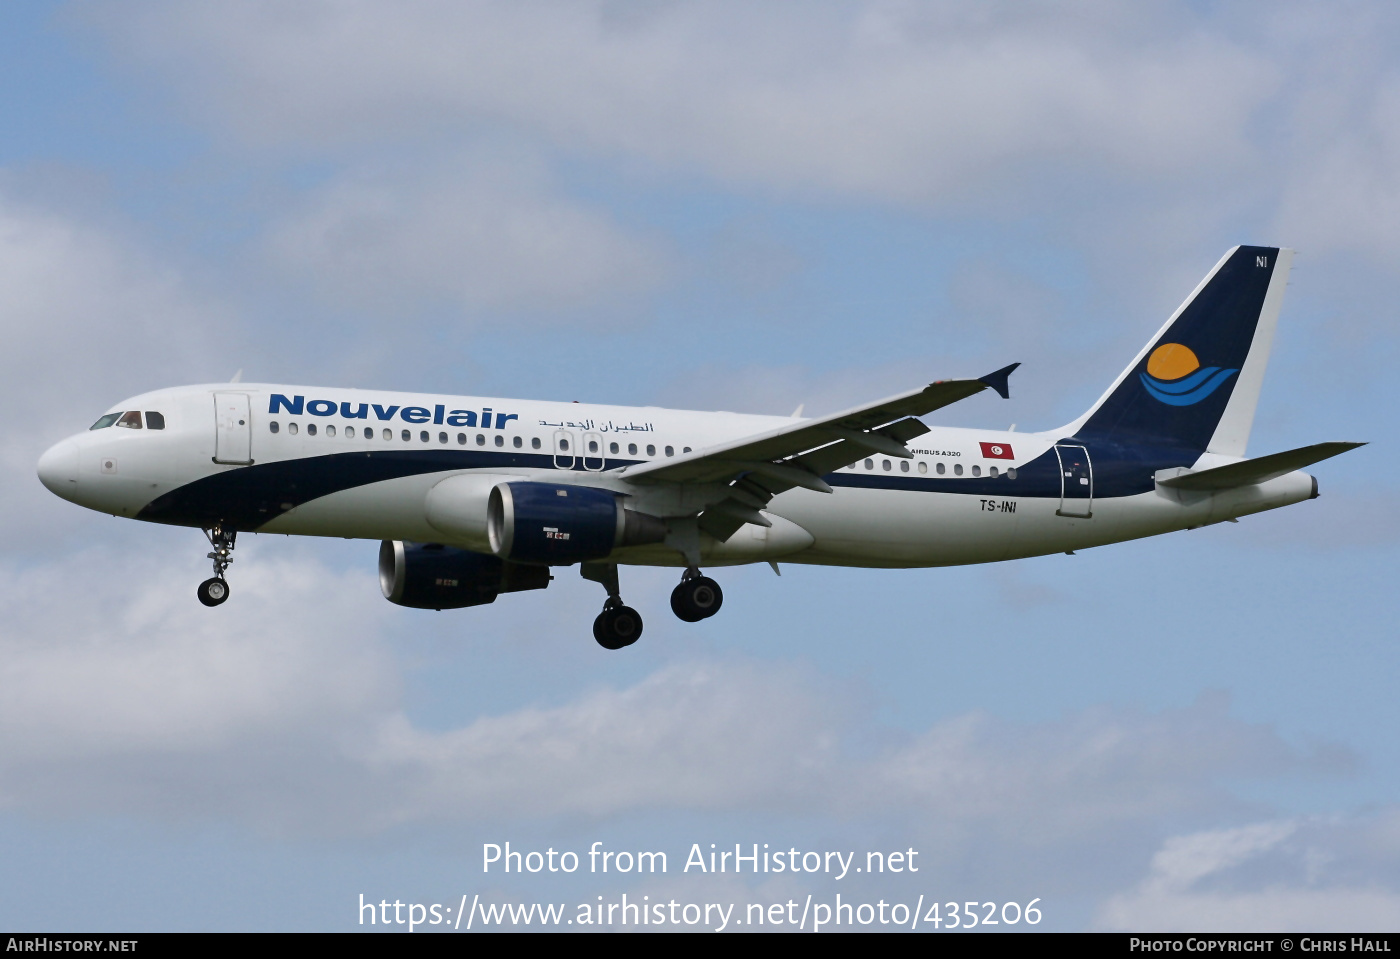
(155, 421)
(131, 419)
(105, 421)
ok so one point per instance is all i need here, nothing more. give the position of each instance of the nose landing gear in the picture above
(697, 597)
(214, 590)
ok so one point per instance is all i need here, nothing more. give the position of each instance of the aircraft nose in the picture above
(58, 469)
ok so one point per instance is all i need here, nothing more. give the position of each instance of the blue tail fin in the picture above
(1196, 384)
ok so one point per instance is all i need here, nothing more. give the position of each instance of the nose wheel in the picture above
(214, 590)
(697, 597)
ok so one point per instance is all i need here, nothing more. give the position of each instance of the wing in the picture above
(759, 467)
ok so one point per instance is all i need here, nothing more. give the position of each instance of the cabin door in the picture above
(233, 429)
(1076, 481)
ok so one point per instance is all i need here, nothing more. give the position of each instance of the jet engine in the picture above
(433, 576)
(560, 525)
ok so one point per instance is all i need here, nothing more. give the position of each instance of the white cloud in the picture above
(125, 695)
(284, 712)
(1089, 773)
(479, 232)
(693, 736)
(128, 688)
(927, 102)
(1340, 149)
(1302, 875)
(87, 318)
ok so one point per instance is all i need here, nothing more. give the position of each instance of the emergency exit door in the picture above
(564, 450)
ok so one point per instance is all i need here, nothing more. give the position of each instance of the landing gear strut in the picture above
(697, 597)
(618, 625)
(214, 590)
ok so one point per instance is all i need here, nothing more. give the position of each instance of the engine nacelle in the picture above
(432, 576)
(457, 508)
(560, 525)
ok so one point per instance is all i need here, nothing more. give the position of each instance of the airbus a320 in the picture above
(471, 497)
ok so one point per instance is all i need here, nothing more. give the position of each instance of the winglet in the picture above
(998, 380)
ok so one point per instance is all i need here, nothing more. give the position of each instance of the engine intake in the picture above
(561, 525)
(433, 576)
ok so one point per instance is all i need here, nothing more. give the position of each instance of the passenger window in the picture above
(273, 427)
(904, 466)
(461, 439)
(651, 450)
(500, 440)
(388, 434)
(564, 445)
(330, 430)
(292, 428)
(885, 465)
(612, 448)
(534, 442)
(957, 469)
(923, 467)
(940, 468)
(993, 471)
(442, 437)
(686, 450)
(516, 442)
(631, 449)
(131, 420)
(406, 436)
(592, 446)
(870, 464)
(369, 433)
(155, 421)
(310, 429)
(1011, 473)
(670, 451)
(480, 439)
(105, 421)
(976, 470)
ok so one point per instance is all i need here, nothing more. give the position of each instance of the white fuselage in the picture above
(297, 466)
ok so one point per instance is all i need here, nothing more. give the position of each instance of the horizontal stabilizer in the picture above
(1258, 470)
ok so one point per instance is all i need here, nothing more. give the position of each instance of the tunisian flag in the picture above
(997, 451)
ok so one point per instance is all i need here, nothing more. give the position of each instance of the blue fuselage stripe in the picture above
(252, 496)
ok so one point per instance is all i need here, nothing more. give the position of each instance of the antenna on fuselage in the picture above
(237, 377)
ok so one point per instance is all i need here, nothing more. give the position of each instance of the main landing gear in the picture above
(618, 625)
(696, 597)
(214, 590)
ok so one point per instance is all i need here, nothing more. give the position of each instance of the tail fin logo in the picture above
(1174, 376)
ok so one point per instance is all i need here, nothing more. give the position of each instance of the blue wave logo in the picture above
(1174, 376)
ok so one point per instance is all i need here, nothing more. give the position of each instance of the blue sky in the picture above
(715, 206)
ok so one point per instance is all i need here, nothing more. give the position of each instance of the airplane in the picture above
(471, 497)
